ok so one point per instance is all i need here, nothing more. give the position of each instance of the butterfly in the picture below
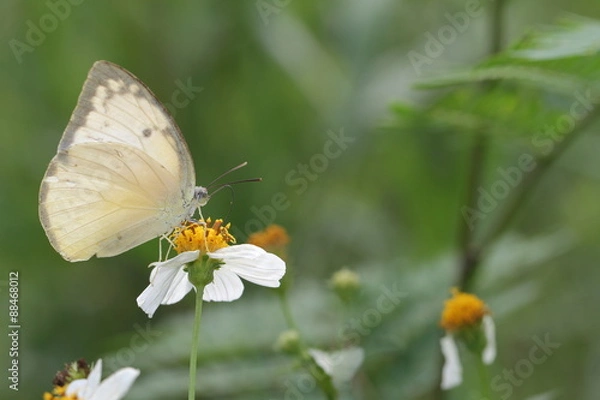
(123, 173)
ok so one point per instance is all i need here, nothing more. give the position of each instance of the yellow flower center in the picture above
(58, 393)
(273, 238)
(463, 310)
(204, 236)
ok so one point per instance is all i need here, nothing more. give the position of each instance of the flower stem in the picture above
(195, 342)
(324, 381)
(484, 378)
(287, 312)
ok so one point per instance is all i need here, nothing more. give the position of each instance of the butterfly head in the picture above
(201, 196)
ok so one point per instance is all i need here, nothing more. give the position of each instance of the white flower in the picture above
(169, 281)
(115, 387)
(339, 365)
(452, 370)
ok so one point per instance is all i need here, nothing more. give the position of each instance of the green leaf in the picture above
(573, 37)
(505, 111)
(563, 58)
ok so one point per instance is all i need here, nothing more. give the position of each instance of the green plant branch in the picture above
(470, 256)
(532, 179)
(496, 27)
(469, 259)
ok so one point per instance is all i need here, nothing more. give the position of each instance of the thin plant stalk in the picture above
(195, 343)
(470, 255)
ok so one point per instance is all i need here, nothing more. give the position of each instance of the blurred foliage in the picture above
(273, 89)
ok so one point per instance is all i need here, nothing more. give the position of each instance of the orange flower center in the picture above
(463, 310)
(273, 238)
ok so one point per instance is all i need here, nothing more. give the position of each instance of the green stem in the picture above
(195, 342)
(484, 378)
(496, 26)
(532, 179)
(470, 256)
(286, 310)
(323, 380)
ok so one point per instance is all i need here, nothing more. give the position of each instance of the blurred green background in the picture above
(276, 78)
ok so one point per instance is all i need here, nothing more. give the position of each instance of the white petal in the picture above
(452, 370)
(489, 329)
(179, 259)
(168, 283)
(252, 263)
(155, 292)
(84, 388)
(76, 387)
(339, 365)
(180, 286)
(226, 286)
(117, 385)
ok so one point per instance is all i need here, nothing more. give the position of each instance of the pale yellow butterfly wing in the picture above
(123, 173)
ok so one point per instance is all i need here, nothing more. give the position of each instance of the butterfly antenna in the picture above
(230, 170)
(228, 186)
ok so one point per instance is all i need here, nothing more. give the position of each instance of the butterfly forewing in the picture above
(123, 173)
(116, 107)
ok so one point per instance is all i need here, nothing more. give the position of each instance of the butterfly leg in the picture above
(166, 237)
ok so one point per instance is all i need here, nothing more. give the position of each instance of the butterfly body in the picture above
(122, 174)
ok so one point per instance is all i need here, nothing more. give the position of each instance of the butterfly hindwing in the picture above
(105, 200)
